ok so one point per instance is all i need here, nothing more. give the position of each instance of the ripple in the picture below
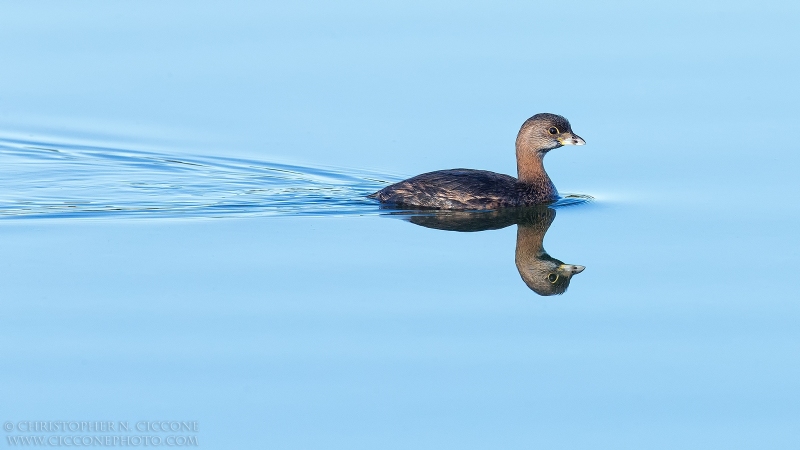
(50, 180)
(571, 200)
(47, 180)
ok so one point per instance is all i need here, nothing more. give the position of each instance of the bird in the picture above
(469, 189)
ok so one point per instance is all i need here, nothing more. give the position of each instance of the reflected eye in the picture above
(553, 277)
(553, 130)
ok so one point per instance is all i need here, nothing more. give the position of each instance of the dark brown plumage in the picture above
(468, 189)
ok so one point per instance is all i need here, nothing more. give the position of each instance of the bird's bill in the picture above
(571, 139)
(571, 268)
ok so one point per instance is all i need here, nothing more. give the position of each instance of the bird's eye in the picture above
(553, 277)
(553, 130)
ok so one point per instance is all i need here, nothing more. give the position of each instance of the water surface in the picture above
(233, 273)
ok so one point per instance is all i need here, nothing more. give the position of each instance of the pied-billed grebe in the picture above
(481, 189)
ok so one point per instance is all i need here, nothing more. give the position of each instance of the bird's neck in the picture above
(529, 244)
(531, 231)
(530, 170)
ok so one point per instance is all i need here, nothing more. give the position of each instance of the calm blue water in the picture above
(185, 236)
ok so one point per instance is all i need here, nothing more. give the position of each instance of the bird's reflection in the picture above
(542, 273)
